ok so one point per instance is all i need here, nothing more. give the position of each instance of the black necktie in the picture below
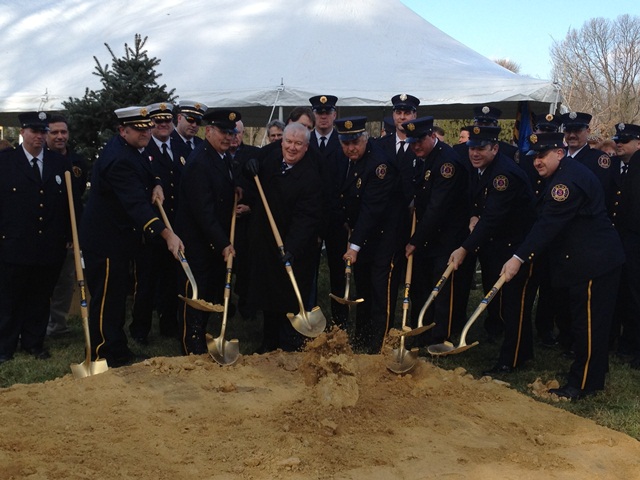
(625, 167)
(191, 144)
(349, 168)
(36, 169)
(400, 152)
(165, 152)
(284, 167)
(323, 143)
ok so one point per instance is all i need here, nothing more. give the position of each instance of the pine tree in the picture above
(131, 80)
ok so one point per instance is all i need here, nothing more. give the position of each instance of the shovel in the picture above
(347, 279)
(447, 348)
(194, 301)
(222, 351)
(403, 360)
(434, 293)
(309, 324)
(86, 368)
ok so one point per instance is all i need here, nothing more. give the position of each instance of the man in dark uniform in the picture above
(331, 160)
(34, 231)
(155, 267)
(118, 215)
(289, 177)
(371, 212)
(586, 256)
(502, 214)
(58, 141)
(442, 212)
(626, 217)
(203, 220)
(188, 119)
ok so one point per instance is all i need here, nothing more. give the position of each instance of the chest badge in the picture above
(560, 192)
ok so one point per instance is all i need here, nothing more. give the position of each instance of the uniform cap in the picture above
(223, 118)
(160, 110)
(350, 128)
(34, 120)
(418, 128)
(404, 101)
(480, 136)
(192, 109)
(575, 120)
(136, 117)
(486, 114)
(547, 123)
(323, 103)
(541, 142)
(627, 131)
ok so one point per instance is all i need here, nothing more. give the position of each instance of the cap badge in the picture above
(560, 192)
(485, 110)
(621, 126)
(447, 170)
(549, 117)
(197, 106)
(403, 97)
(348, 125)
(42, 116)
(604, 161)
(476, 130)
(411, 127)
(143, 112)
(381, 171)
(323, 99)
(232, 116)
(500, 183)
(533, 138)
(573, 115)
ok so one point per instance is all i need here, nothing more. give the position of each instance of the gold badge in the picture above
(143, 112)
(411, 127)
(163, 106)
(381, 171)
(232, 116)
(323, 99)
(77, 171)
(348, 125)
(447, 170)
(403, 97)
(533, 138)
(560, 192)
(476, 130)
(604, 161)
(427, 175)
(501, 183)
(182, 160)
(358, 183)
(197, 106)
(549, 117)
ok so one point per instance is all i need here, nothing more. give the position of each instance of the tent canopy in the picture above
(253, 55)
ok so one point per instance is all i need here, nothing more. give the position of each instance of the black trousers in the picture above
(25, 293)
(108, 280)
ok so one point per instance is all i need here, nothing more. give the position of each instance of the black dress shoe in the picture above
(498, 369)
(570, 393)
(39, 353)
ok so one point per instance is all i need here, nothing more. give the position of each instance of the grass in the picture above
(618, 407)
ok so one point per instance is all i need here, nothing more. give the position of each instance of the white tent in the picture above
(254, 55)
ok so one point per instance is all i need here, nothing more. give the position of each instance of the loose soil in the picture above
(322, 414)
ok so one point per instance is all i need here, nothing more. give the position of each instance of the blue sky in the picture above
(520, 31)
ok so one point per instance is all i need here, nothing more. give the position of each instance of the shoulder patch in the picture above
(381, 171)
(447, 170)
(501, 183)
(604, 161)
(77, 171)
(560, 192)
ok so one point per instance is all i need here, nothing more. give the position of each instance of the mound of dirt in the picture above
(322, 414)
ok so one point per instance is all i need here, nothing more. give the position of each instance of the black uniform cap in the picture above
(405, 102)
(223, 118)
(547, 123)
(480, 136)
(575, 120)
(34, 120)
(541, 142)
(323, 103)
(350, 128)
(418, 128)
(486, 114)
(627, 131)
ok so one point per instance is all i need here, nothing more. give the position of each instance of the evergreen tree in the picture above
(131, 80)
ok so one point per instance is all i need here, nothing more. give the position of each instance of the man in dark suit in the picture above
(155, 267)
(118, 215)
(370, 203)
(34, 229)
(442, 212)
(586, 256)
(626, 217)
(502, 213)
(289, 177)
(188, 119)
(203, 220)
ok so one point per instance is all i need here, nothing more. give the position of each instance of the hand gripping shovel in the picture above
(194, 301)
(87, 367)
(347, 281)
(222, 351)
(434, 293)
(403, 360)
(310, 324)
(447, 348)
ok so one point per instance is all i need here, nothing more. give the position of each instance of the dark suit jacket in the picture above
(34, 216)
(169, 171)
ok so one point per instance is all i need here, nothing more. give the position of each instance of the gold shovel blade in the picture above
(222, 351)
(345, 301)
(448, 348)
(82, 370)
(202, 305)
(402, 360)
(310, 324)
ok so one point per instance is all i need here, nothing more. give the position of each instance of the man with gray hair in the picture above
(274, 130)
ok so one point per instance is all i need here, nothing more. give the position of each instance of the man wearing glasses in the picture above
(188, 122)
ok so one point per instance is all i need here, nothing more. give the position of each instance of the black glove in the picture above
(251, 168)
(287, 257)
